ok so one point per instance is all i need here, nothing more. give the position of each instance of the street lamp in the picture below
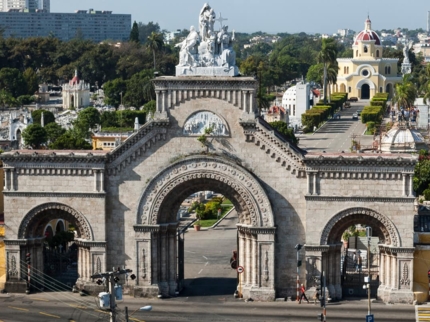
(299, 263)
(367, 278)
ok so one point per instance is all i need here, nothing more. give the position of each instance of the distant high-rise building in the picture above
(23, 5)
(428, 21)
(90, 24)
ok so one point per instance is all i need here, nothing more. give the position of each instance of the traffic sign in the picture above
(240, 269)
(369, 318)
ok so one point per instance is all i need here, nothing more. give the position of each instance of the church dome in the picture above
(403, 140)
(75, 80)
(367, 34)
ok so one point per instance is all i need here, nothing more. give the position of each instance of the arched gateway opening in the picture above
(344, 273)
(160, 247)
(54, 252)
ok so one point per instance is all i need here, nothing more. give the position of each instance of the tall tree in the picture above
(48, 117)
(114, 90)
(155, 42)
(327, 56)
(134, 33)
(11, 79)
(405, 93)
(31, 80)
(34, 135)
(146, 29)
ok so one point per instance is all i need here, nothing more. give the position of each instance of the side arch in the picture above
(386, 231)
(169, 187)
(365, 81)
(33, 224)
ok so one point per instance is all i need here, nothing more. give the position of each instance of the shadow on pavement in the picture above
(209, 286)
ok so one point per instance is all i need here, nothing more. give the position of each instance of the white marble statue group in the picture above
(207, 48)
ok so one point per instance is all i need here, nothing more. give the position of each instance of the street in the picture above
(336, 134)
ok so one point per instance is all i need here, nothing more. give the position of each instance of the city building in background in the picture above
(25, 5)
(87, 24)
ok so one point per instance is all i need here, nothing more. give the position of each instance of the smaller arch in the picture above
(333, 230)
(377, 53)
(33, 223)
(365, 81)
(365, 49)
(60, 226)
(49, 232)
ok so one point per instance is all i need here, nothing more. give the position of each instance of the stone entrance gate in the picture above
(127, 199)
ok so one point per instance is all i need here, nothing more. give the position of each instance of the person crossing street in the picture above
(303, 295)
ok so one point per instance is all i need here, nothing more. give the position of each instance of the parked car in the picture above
(353, 99)
(355, 116)
(347, 104)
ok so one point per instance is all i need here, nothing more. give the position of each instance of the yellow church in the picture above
(367, 73)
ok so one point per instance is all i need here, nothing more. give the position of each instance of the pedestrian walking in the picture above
(302, 295)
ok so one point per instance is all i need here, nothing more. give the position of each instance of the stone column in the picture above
(247, 266)
(164, 101)
(80, 262)
(404, 184)
(411, 185)
(96, 173)
(241, 249)
(155, 270)
(251, 102)
(245, 101)
(309, 179)
(102, 181)
(382, 268)
(254, 261)
(158, 101)
(315, 190)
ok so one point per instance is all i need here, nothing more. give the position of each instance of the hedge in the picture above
(372, 114)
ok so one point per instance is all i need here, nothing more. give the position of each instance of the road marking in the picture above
(18, 308)
(206, 263)
(134, 319)
(201, 270)
(38, 299)
(102, 311)
(78, 306)
(52, 316)
(205, 257)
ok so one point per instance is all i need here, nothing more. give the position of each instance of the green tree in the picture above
(12, 81)
(89, 116)
(140, 89)
(327, 56)
(70, 141)
(421, 178)
(405, 92)
(114, 90)
(315, 74)
(149, 108)
(34, 135)
(282, 128)
(25, 99)
(6, 99)
(146, 29)
(134, 33)
(31, 80)
(155, 42)
(48, 117)
(54, 131)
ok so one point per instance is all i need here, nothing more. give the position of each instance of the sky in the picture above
(271, 16)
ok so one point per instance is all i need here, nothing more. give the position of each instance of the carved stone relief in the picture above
(198, 122)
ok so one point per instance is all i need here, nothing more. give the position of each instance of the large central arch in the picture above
(156, 222)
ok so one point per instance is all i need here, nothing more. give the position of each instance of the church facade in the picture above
(367, 72)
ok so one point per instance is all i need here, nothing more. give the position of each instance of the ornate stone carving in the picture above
(98, 265)
(199, 121)
(405, 282)
(12, 266)
(55, 194)
(83, 225)
(386, 225)
(253, 199)
(360, 199)
(143, 264)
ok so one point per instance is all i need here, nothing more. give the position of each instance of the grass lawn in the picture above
(211, 222)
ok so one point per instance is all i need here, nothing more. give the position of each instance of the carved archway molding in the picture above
(386, 225)
(83, 226)
(200, 167)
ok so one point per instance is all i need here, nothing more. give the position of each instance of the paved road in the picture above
(336, 134)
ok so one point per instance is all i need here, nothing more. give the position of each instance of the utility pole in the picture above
(112, 278)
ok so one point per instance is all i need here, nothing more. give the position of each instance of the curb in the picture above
(214, 225)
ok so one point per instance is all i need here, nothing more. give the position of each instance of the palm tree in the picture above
(332, 70)
(405, 92)
(155, 42)
(426, 87)
(327, 56)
